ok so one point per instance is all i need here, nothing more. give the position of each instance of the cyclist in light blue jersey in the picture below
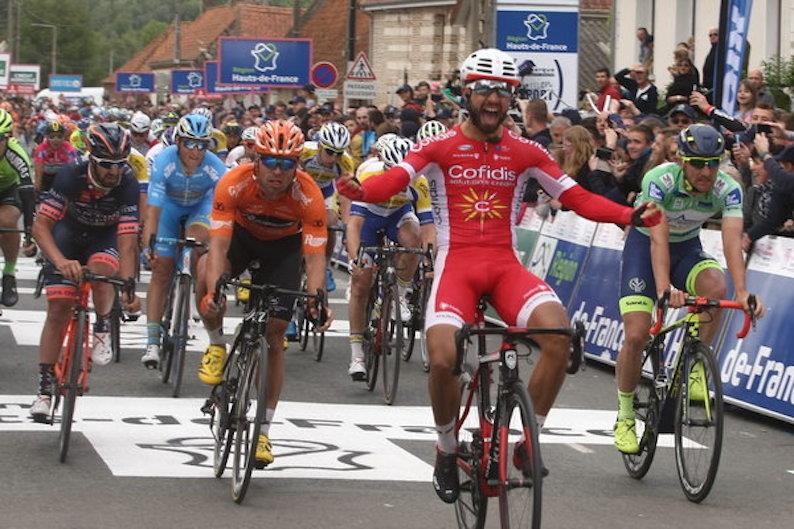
(181, 186)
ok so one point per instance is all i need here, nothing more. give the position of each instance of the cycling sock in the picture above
(357, 346)
(216, 336)
(153, 333)
(269, 413)
(403, 286)
(625, 405)
(446, 438)
(101, 324)
(10, 268)
(45, 379)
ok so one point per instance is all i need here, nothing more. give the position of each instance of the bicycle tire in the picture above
(372, 337)
(115, 327)
(318, 339)
(427, 286)
(709, 414)
(80, 335)
(521, 493)
(180, 338)
(392, 342)
(410, 333)
(303, 329)
(246, 433)
(166, 341)
(647, 411)
(225, 409)
(471, 507)
(39, 284)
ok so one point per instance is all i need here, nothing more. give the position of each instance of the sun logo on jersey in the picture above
(485, 206)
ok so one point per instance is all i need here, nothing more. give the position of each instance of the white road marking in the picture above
(580, 448)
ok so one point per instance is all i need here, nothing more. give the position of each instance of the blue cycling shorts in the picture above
(172, 218)
(374, 223)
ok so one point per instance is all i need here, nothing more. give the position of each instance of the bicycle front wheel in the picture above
(520, 467)
(646, 416)
(70, 394)
(471, 506)
(372, 337)
(179, 337)
(318, 340)
(698, 422)
(248, 420)
(392, 342)
(224, 400)
(167, 340)
(115, 327)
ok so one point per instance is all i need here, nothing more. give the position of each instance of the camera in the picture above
(764, 128)
(604, 153)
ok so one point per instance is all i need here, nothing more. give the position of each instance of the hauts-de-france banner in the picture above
(543, 37)
(276, 63)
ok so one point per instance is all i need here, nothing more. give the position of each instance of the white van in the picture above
(94, 92)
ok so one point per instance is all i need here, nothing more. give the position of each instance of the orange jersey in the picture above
(240, 200)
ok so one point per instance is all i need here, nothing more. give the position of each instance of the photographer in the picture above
(780, 170)
(642, 93)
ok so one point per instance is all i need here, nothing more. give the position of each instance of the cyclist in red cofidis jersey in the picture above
(477, 173)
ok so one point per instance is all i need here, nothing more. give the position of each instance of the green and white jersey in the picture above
(14, 165)
(686, 213)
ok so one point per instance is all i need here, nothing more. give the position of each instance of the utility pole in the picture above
(110, 62)
(10, 29)
(177, 36)
(17, 32)
(54, 65)
(351, 31)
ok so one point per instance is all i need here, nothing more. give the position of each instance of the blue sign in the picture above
(135, 82)
(186, 82)
(278, 63)
(537, 31)
(212, 86)
(731, 56)
(66, 83)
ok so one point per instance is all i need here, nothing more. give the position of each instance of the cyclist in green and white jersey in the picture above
(16, 197)
(689, 193)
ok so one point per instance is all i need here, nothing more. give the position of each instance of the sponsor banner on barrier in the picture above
(609, 237)
(758, 371)
(568, 226)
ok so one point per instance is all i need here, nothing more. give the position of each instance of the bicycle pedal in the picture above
(260, 465)
(206, 409)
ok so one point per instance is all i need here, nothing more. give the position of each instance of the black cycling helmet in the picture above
(108, 141)
(232, 128)
(700, 141)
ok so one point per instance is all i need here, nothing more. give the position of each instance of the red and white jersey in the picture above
(476, 187)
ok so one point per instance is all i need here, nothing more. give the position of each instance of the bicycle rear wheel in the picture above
(115, 327)
(167, 340)
(224, 400)
(372, 337)
(646, 416)
(391, 325)
(80, 335)
(471, 506)
(250, 390)
(698, 422)
(179, 338)
(318, 341)
(520, 466)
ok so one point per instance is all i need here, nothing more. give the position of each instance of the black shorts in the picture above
(278, 263)
(86, 244)
(10, 197)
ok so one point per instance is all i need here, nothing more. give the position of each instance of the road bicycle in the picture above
(682, 395)
(492, 466)
(385, 333)
(306, 327)
(417, 303)
(237, 405)
(177, 311)
(74, 362)
(116, 317)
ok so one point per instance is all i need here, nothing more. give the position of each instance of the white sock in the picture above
(269, 413)
(356, 347)
(446, 438)
(216, 336)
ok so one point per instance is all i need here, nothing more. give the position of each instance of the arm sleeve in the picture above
(21, 163)
(595, 207)
(54, 202)
(385, 185)
(721, 118)
(156, 188)
(422, 205)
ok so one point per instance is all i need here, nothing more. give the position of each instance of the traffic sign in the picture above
(326, 94)
(361, 70)
(323, 75)
(360, 90)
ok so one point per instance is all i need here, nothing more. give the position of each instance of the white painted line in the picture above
(581, 448)
(790, 471)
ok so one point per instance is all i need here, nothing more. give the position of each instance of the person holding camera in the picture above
(642, 92)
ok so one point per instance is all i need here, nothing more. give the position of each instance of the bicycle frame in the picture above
(64, 363)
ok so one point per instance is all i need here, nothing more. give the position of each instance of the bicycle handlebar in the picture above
(188, 242)
(126, 285)
(698, 304)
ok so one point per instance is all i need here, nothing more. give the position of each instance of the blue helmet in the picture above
(700, 141)
(194, 126)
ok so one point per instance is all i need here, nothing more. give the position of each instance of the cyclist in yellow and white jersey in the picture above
(325, 160)
(243, 153)
(401, 224)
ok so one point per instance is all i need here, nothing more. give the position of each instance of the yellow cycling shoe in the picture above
(626, 436)
(264, 455)
(243, 293)
(211, 368)
(697, 383)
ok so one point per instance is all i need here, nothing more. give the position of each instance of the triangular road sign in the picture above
(361, 70)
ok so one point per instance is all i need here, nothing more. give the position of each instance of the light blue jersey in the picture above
(168, 184)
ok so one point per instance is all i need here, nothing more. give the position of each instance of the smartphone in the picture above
(764, 128)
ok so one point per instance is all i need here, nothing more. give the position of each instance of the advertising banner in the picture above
(543, 37)
(187, 82)
(5, 69)
(28, 75)
(213, 88)
(65, 83)
(135, 82)
(758, 371)
(731, 49)
(277, 63)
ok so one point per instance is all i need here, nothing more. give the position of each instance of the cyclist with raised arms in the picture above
(271, 213)
(88, 218)
(181, 185)
(324, 160)
(478, 171)
(16, 198)
(397, 218)
(689, 192)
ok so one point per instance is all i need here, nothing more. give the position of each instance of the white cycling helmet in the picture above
(430, 129)
(203, 111)
(249, 134)
(489, 63)
(140, 123)
(384, 139)
(394, 150)
(334, 136)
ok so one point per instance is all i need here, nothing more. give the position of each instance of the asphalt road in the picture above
(343, 459)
